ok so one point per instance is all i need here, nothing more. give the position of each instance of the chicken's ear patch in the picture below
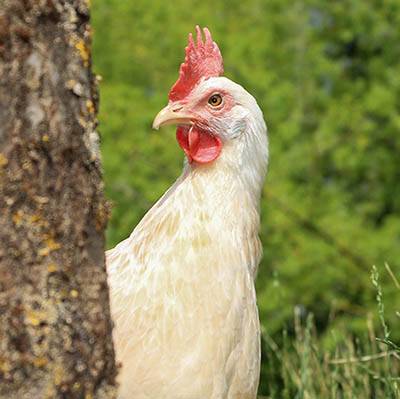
(203, 60)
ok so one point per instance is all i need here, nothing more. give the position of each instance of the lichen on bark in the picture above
(55, 328)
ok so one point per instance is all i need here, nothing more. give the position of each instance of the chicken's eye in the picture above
(215, 100)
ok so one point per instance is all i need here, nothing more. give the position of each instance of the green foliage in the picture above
(327, 76)
(302, 367)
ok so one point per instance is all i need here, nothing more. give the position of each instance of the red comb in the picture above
(203, 60)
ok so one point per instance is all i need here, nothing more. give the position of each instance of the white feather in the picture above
(182, 285)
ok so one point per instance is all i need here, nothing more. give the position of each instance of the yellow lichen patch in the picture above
(5, 366)
(20, 217)
(74, 293)
(40, 361)
(50, 245)
(58, 374)
(52, 267)
(43, 251)
(45, 138)
(34, 219)
(90, 106)
(3, 160)
(83, 51)
(71, 83)
(17, 217)
(76, 386)
(34, 317)
(53, 245)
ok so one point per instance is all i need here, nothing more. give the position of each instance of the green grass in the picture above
(301, 366)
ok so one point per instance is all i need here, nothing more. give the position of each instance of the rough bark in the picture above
(55, 329)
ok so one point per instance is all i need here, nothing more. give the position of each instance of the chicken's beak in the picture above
(172, 114)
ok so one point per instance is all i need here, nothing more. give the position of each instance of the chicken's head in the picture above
(209, 110)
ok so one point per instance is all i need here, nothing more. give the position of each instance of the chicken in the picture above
(182, 285)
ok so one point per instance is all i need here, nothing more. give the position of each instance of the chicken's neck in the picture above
(211, 210)
(239, 171)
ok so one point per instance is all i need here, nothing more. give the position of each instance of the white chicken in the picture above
(182, 285)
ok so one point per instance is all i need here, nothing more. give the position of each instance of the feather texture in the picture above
(182, 285)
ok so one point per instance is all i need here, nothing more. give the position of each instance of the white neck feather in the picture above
(241, 166)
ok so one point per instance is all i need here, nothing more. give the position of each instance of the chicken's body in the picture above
(182, 285)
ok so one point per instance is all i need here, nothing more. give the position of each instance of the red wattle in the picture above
(183, 140)
(198, 144)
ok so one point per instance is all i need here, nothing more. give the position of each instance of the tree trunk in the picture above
(55, 329)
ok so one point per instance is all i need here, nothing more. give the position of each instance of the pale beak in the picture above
(172, 114)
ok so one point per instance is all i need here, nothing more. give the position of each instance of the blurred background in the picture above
(327, 76)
